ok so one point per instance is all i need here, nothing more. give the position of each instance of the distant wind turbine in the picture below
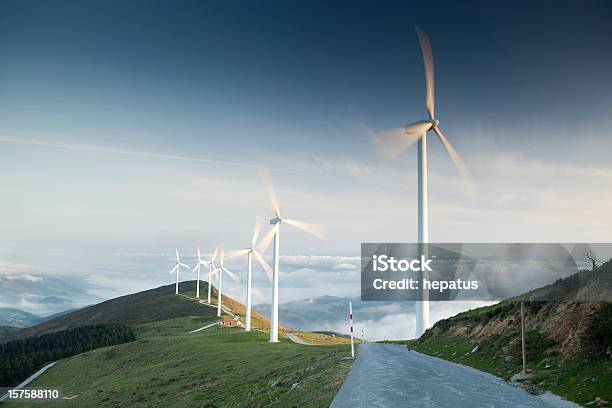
(392, 142)
(229, 273)
(250, 252)
(211, 271)
(176, 269)
(276, 222)
(199, 263)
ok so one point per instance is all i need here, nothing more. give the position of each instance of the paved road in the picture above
(389, 376)
(296, 339)
(203, 328)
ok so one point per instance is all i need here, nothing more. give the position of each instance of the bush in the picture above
(597, 338)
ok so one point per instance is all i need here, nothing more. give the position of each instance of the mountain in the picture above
(18, 318)
(6, 331)
(43, 295)
(330, 313)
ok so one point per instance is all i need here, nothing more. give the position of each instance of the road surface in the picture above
(296, 339)
(203, 328)
(389, 376)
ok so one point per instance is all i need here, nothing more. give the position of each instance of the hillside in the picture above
(18, 318)
(170, 365)
(569, 341)
(152, 305)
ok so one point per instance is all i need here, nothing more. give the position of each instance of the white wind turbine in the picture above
(250, 252)
(176, 269)
(231, 274)
(199, 264)
(211, 271)
(391, 143)
(276, 222)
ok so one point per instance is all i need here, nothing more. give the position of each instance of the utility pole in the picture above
(523, 337)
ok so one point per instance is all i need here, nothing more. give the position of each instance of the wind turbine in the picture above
(231, 274)
(250, 252)
(197, 268)
(276, 222)
(211, 271)
(391, 143)
(176, 268)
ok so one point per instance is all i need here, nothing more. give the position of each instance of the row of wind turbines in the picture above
(256, 249)
(389, 144)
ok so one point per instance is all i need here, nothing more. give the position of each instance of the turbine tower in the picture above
(232, 276)
(276, 222)
(197, 268)
(250, 252)
(176, 269)
(391, 143)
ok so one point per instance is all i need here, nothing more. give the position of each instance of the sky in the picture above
(131, 128)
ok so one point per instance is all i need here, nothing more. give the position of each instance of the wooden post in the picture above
(523, 337)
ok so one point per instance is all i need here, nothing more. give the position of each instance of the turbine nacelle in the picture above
(434, 123)
(276, 220)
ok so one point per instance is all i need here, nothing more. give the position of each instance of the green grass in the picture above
(572, 380)
(219, 367)
(171, 327)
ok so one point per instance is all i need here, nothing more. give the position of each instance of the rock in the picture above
(274, 383)
(508, 359)
(475, 349)
(294, 386)
(519, 377)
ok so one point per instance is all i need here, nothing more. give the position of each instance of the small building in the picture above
(229, 323)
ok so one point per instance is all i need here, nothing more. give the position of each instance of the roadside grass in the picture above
(576, 380)
(220, 367)
(323, 339)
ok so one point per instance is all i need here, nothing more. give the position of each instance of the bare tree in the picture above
(591, 257)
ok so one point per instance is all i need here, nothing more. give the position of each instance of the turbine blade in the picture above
(232, 275)
(199, 254)
(236, 253)
(429, 70)
(214, 255)
(389, 144)
(463, 171)
(183, 265)
(177, 257)
(264, 265)
(265, 241)
(256, 230)
(195, 268)
(173, 269)
(316, 230)
(269, 188)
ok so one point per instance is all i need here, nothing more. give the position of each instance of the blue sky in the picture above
(523, 92)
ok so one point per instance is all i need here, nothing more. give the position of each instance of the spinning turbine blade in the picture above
(199, 255)
(195, 268)
(236, 253)
(173, 269)
(429, 70)
(177, 257)
(214, 255)
(264, 265)
(312, 229)
(232, 275)
(268, 186)
(390, 143)
(266, 240)
(463, 171)
(256, 230)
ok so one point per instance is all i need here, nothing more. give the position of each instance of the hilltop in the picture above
(569, 340)
(151, 305)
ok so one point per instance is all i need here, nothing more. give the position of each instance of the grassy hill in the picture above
(569, 341)
(168, 366)
(143, 307)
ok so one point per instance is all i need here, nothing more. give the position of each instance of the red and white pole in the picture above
(351, 325)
